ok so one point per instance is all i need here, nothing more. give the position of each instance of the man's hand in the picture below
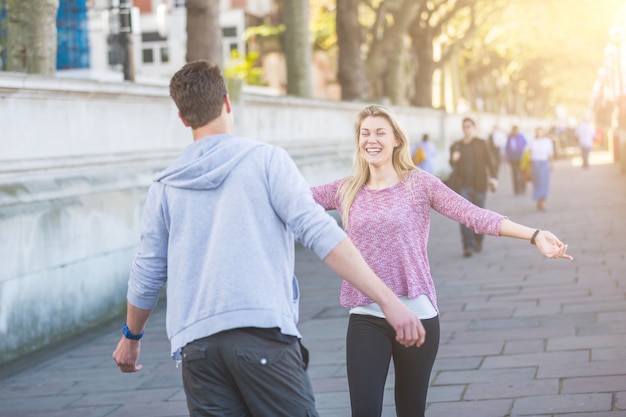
(126, 355)
(409, 328)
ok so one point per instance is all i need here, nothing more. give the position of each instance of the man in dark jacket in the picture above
(475, 170)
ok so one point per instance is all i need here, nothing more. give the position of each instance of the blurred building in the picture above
(89, 43)
(87, 30)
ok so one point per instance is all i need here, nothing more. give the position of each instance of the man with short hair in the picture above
(219, 226)
(474, 166)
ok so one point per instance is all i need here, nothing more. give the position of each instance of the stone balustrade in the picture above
(76, 159)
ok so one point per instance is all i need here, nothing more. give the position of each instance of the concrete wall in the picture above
(77, 157)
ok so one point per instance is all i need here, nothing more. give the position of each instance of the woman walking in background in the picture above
(385, 206)
(514, 150)
(541, 155)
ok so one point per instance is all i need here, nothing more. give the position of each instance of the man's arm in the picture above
(347, 262)
(127, 351)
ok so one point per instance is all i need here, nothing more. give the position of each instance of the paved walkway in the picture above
(521, 335)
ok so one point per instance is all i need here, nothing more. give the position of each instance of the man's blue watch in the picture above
(129, 335)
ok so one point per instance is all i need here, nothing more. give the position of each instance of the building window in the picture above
(229, 32)
(152, 37)
(148, 56)
(165, 54)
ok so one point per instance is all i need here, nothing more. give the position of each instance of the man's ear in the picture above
(229, 108)
(182, 119)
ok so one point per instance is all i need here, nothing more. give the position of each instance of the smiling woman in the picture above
(385, 206)
(377, 143)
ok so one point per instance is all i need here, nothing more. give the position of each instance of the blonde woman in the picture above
(541, 154)
(385, 206)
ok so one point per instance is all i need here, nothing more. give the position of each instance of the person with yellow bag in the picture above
(424, 154)
(514, 149)
(525, 165)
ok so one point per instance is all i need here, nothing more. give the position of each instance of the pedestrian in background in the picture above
(385, 206)
(585, 132)
(497, 142)
(218, 227)
(541, 155)
(475, 171)
(515, 145)
(430, 153)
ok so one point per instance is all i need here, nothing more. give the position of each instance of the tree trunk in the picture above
(297, 47)
(397, 78)
(351, 71)
(32, 36)
(377, 64)
(423, 75)
(204, 33)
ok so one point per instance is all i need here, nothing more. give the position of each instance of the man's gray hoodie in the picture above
(219, 226)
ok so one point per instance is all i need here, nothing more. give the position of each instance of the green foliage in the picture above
(264, 31)
(323, 25)
(245, 69)
(551, 49)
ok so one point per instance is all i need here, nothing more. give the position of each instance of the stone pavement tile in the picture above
(620, 401)
(332, 400)
(322, 371)
(155, 409)
(484, 375)
(490, 408)
(593, 368)
(480, 336)
(524, 346)
(508, 323)
(609, 353)
(612, 316)
(121, 397)
(457, 364)
(329, 384)
(513, 389)
(544, 308)
(594, 384)
(327, 329)
(594, 306)
(37, 386)
(327, 357)
(99, 411)
(586, 342)
(445, 393)
(38, 404)
(463, 317)
(502, 303)
(580, 319)
(565, 403)
(593, 414)
(461, 350)
(601, 329)
(564, 359)
(559, 292)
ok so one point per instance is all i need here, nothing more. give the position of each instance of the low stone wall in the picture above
(77, 158)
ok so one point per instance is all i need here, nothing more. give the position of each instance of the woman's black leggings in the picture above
(371, 343)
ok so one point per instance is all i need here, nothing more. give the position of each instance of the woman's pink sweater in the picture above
(390, 228)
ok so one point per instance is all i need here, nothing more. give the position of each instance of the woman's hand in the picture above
(550, 246)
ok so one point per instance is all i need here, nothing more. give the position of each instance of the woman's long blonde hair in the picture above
(402, 161)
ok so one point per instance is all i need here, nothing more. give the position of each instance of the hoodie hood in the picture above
(205, 164)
